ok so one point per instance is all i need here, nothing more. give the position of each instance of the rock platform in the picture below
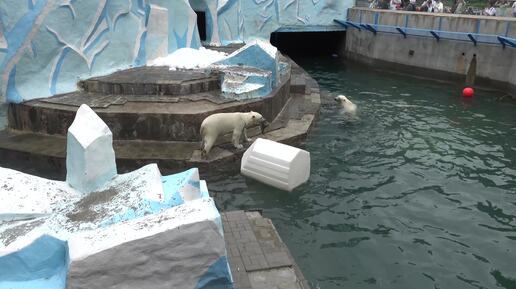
(155, 115)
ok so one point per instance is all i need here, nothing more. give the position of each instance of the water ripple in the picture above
(419, 190)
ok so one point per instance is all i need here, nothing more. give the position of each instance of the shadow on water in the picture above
(417, 191)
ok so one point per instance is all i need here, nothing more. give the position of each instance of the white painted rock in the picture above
(182, 247)
(90, 158)
(278, 165)
(26, 197)
(140, 230)
(156, 42)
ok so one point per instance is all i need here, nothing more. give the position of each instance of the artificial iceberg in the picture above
(137, 230)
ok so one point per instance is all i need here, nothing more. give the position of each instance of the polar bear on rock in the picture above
(221, 123)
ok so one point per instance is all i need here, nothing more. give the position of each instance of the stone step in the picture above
(152, 81)
(163, 118)
(44, 154)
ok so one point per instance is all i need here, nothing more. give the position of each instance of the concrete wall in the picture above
(47, 45)
(446, 58)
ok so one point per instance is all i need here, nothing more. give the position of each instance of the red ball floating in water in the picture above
(468, 92)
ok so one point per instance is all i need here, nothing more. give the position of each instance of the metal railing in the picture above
(474, 38)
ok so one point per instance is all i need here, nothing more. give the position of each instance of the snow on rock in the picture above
(132, 215)
(188, 183)
(90, 158)
(103, 230)
(189, 58)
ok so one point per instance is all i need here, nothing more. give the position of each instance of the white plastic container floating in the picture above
(282, 166)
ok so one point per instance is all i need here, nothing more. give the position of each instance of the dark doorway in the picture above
(201, 24)
(309, 43)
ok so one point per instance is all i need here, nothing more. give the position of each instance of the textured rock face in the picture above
(104, 230)
(175, 249)
(156, 42)
(90, 158)
(50, 44)
(245, 82)
(258, 54)
(49, 271)
(47, 45)
(250, 72)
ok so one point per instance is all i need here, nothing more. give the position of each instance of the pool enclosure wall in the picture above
(47, 45)
(435, 45)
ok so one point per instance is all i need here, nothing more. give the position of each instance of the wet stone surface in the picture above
(257, 256)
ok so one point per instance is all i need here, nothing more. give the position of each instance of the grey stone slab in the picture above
(92, 100)
(264, 262)
(131, 266)
(278, 259)
(236, 264)
(284, 278)
(254, 263)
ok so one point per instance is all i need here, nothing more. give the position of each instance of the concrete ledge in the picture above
(257, 256)
(446, 59)
(157, 118)
(428, 73)
(426, 14)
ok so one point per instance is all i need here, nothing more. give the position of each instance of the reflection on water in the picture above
(417, 191)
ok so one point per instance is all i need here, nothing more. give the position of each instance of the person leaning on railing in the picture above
(514, 9)
(490, 11)
(502, 6)
(411, 6)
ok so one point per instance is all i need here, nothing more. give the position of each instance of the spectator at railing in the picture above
(426, 6)
(490, 11)
(395, 4)
(459, 8)
(502, 6)
(411, 6)
(437, 6)
(514, 9)
(383, 4)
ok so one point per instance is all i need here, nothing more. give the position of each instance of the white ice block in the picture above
(90, 158)
(278, 165)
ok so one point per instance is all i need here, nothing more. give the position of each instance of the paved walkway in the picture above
(257, 256)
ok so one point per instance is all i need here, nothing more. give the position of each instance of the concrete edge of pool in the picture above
(258, 258)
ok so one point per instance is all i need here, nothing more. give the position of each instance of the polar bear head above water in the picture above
(347, 105)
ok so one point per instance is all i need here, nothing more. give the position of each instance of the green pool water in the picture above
(418, 190)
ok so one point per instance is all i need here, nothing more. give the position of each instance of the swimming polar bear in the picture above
(347, 105)
(222, 123)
